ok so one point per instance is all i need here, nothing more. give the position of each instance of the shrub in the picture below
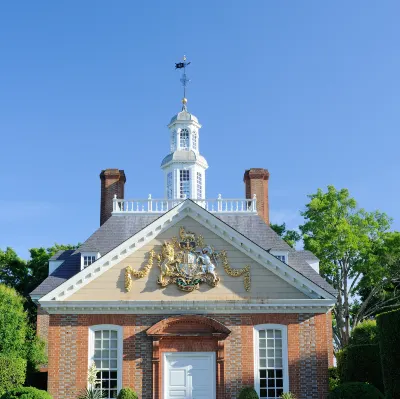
(91, 393)
(248, 393)
(13, 323)
(12, 373)
(127, 393)
(355, 390)
(287, 395)
(334, 380)
(361, 363)
(389, 343)
(17, 338)
(26, 393)
(366, 333)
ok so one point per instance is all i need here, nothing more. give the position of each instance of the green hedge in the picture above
(26, 393)
(355, 390)
(389, 342)
(366, 333)
(127, 393)
(12, 373)
(248, 393)
(361, 363)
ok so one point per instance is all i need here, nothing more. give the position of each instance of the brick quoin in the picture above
(42, 324)
(309, 352)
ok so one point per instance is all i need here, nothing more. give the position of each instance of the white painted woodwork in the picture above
(189, 375)
(110, 285)
(218, 205)
(184, 157)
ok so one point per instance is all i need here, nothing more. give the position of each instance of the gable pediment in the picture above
(104, 280)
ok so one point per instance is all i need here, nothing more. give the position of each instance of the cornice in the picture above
(189, 307)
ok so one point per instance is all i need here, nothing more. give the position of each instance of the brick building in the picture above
(186, 297)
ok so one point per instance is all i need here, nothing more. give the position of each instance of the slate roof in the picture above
(118, 229)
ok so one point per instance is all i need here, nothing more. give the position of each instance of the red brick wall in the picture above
(42, 324)
(112, 183)
(308, 348)
(256, 182)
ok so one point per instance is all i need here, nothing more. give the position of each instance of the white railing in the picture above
(218, 205)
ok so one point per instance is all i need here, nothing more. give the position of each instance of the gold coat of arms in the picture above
(187, 262)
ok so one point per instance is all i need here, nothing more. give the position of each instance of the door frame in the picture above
(212, 355)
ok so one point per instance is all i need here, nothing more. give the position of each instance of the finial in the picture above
(184, 80)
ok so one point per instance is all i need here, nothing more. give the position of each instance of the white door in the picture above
(189, 375)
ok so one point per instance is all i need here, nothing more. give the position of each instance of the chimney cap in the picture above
(256, 173)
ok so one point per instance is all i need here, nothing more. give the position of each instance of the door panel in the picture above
(189, 375)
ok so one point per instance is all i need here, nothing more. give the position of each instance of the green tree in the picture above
(25, 276)
(375, 298)
(346, 239)
(17, 338)
(292, 237)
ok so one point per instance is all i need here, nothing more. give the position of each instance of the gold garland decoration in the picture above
(129, 272)
(245, 272)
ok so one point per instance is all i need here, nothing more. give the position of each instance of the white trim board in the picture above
(190, 307)
(186, 208)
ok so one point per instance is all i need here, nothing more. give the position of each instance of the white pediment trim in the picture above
(189, 307)
(163, 223)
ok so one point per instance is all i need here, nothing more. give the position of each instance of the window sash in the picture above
(271, 360)
(184, 185)
(105, 351)
(199, 186)
(88, 260)
(184, 139)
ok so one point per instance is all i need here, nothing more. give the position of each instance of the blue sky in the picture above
(309, 90)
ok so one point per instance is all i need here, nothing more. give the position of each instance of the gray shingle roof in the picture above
(118, 229)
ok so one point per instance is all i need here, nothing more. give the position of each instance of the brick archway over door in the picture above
(189, 333)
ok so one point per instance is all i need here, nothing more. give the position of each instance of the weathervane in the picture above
(184, 80)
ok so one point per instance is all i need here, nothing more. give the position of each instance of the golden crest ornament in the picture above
(187, 262)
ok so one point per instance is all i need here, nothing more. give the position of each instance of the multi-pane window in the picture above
(173, 141)
(88, 260)
(281, 258)
(199, 186)
(184, 139)
(169, 185)
(194, 140)
(105, 356)
(271, 362)
(184, 183)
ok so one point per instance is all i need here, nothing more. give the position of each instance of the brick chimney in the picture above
(256, 182)
(112, 182)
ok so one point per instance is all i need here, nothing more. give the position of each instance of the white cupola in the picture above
(184, 168)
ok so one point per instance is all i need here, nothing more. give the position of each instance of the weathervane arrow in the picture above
(184, 80)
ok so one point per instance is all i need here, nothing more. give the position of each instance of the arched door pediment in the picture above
(189, 326)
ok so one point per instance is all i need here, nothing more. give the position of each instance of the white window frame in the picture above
(189, 173)
(173, 140)
(119, 329)
(199, 185)
(170, 185)
(279, 254)
(195, 143)
(285, 355)
(187, 141)
(83, 254)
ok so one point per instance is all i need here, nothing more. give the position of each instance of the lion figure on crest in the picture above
(166, 260)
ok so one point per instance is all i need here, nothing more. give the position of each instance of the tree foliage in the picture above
(17, 337)
(292, 237)
(24, 276)
(12, 373)
(347, 240)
